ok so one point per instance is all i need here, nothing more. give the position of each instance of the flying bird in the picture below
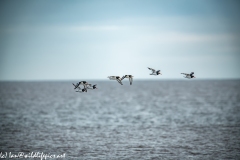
(130, 77)
(77, 86)
(84, 83)
(189, 76)
(115, 78)
(154, 72)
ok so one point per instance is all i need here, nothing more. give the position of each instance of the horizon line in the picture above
(140, 79)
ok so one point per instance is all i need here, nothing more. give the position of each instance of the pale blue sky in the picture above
(93, 39)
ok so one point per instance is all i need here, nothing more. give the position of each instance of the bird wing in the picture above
(119, 81)
(112, 77)
(123, 77)
(153, 70)
(191, 73)
(76, 85)
(185, 74)
(130, 80)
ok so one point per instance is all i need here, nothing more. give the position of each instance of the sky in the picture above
(93, 39)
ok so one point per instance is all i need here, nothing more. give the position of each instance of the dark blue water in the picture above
(188, 119)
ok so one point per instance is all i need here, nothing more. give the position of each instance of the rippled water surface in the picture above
(149, 120)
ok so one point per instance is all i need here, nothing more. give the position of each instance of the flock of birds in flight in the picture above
(119, 79)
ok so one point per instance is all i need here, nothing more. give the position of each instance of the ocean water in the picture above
(187, 119)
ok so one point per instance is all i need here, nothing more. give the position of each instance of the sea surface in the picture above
(185, 119)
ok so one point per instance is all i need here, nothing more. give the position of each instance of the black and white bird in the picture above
(130, 77)
(189, 76)
(118, 78)
(154, 72)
